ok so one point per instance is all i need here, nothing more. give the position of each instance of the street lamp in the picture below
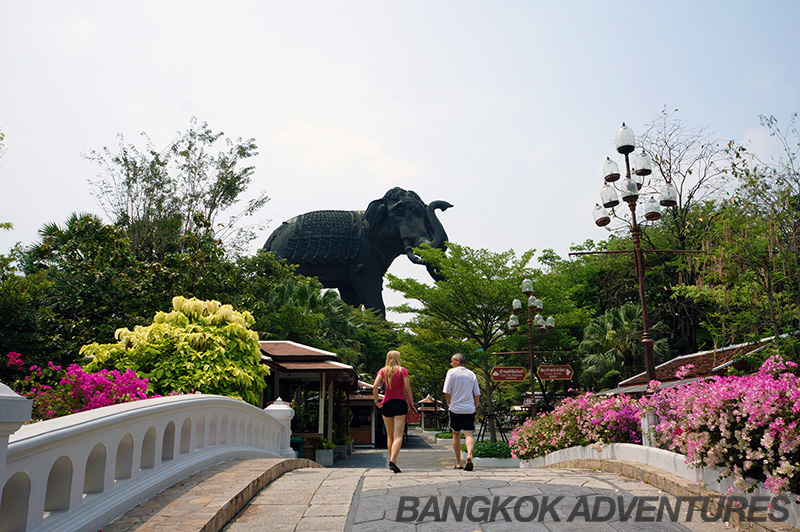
(628, 189)
(538, 321)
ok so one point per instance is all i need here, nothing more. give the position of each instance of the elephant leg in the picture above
(372, 298)
(349, 295)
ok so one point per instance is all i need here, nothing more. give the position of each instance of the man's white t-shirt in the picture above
(462, 385)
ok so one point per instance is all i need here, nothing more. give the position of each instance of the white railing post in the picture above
(14, 412)
(649, 420)
(284, 413)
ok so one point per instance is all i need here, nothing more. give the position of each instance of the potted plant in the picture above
(491, 454)
(340, 448)
(350, 443)
(324, 452)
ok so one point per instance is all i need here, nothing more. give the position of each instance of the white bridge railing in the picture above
(82, 471)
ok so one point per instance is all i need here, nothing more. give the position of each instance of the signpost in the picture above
(508, 374)
(555, 373)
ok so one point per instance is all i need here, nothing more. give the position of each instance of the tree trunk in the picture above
(487, 394)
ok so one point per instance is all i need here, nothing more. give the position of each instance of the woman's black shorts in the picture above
(394, 407)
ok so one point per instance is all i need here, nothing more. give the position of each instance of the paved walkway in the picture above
(360, 494)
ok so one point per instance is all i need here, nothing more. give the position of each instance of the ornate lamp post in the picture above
(628, 189)
(538, 321)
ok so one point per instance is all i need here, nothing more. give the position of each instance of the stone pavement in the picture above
(360, 494)
(366, 500)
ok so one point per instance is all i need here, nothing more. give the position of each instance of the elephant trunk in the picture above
(439, 236)
(409, 251)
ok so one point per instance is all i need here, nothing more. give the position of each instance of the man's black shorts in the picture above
(394, 407)
(462, 422)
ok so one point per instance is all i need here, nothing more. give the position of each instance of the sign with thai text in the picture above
(508, 374)
(555, 373)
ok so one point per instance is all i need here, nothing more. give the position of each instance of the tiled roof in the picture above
(282, 349)
(322, 365)
(427, 405)
(706, 364)
(364, 393)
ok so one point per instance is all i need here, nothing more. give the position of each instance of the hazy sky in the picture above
(505, 109)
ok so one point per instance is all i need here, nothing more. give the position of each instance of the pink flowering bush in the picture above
(58, 392)
(581, 420)
(746, 426)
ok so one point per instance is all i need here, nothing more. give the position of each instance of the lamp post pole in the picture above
(629, 190)
(537, 321)
(638, 259)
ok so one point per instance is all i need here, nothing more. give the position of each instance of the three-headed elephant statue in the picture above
(351, 250)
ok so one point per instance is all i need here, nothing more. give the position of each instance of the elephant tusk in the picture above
(439, 235)
(409, 251)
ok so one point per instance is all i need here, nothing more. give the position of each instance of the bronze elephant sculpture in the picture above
(351, 250)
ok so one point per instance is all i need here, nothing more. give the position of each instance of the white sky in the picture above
(505, 109)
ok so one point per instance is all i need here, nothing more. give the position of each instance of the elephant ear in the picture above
(375, 213)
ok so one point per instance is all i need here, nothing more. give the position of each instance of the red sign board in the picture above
(555, 373)
(508, 374)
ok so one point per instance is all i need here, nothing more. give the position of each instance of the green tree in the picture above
(157, 196)
(471, 303)
(91, 284)
(750, 278)
(199, 346)
(612, 346)
(20, 316)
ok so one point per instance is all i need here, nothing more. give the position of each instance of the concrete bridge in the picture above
(80, 472)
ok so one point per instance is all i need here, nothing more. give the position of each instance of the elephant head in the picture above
(401, 222)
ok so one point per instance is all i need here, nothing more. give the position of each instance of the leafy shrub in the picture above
(200, 346)
(324, 443)
(444, 436)
(488, 449)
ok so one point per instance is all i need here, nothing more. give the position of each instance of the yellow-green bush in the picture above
(200, 346)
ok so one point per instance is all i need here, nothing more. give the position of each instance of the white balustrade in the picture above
(82, 471)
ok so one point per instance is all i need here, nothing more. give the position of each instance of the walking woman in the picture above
(397, 399)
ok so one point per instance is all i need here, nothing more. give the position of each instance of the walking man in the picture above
(462, 394)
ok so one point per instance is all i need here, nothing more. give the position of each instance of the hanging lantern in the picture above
(601, 217)
(630, 190)
(652, 210)
(669, 196)
(527, 287)
(608, 195)
(626, 140)
(642, 164)
(610, 171)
